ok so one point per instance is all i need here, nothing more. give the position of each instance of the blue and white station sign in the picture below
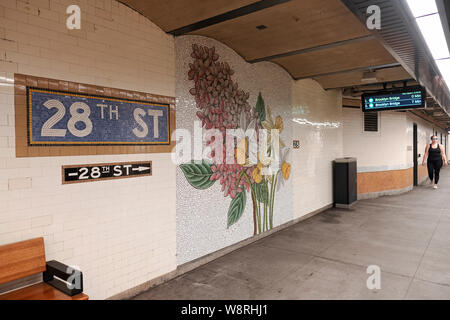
(63, 118)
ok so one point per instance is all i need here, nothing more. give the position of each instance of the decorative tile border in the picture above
(382, 181)
(21, 82)
(403, 166)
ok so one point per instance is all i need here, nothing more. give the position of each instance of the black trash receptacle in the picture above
(344, 182)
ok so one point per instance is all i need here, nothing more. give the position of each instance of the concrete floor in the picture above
(326, 256)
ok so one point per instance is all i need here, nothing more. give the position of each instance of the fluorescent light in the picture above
(422, 7)
(429, 23)
(432, 31)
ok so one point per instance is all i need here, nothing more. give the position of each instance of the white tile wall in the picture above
(317, 123)
(385, 149)
(201, 214)
(121, 233)
(388, 148)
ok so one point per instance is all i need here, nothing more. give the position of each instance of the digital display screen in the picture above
(406, 98)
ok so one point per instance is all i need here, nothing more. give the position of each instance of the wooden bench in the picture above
(22, 259)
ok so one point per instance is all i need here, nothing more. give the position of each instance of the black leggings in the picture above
(434, 166)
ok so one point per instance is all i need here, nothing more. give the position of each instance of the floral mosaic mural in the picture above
(222, 105)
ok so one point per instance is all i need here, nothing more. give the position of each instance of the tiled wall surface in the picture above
(385, 157)
(21, 82)
(121, 233)
(317, 123)
(310, 114)
(377, 181)
(202, 214)
(376, 151)
(391, 147)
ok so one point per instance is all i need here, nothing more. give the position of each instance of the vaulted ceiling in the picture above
(319, 39)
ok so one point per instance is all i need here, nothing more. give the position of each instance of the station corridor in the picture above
(192, 149)
(326, 256)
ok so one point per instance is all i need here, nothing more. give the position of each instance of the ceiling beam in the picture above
(383, 66)
(357, 90)
(321, 47)
(351, 102)
(400, 35)
(428, 118)
(377, 83)
(236, 13)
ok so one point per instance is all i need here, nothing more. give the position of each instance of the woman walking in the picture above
(435, 156)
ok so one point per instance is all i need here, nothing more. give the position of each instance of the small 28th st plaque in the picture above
(105, 171)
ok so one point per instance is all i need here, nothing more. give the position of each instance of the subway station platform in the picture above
(326, 256)
(168, 149)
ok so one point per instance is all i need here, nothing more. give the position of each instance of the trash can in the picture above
(344, 182)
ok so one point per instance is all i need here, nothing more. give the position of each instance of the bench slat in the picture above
(21, 259)
(40, 291)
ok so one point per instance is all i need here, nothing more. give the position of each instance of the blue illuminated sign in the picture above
(407, 98)
(64, 118)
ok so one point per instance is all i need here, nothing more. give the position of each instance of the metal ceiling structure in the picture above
(401, 36)
(326, 40)
(298, 35)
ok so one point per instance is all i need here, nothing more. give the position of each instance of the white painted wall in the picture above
(121, 233)
(391, 148)
(317, 123)
(376, 151)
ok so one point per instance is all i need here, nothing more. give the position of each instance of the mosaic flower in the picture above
(286, 170)
(227, 175)
(245, 155)
(219, 99)
(222, 105)
(256, 173)
(270, 125)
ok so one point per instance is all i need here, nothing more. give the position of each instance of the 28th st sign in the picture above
(105, 171)
(64, 118)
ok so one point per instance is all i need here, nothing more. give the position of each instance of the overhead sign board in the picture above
(105, 171)
(65, 118)
(406, 98)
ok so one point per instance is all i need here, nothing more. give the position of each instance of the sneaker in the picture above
(435, 186)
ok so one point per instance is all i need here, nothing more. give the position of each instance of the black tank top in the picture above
(434, 153)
